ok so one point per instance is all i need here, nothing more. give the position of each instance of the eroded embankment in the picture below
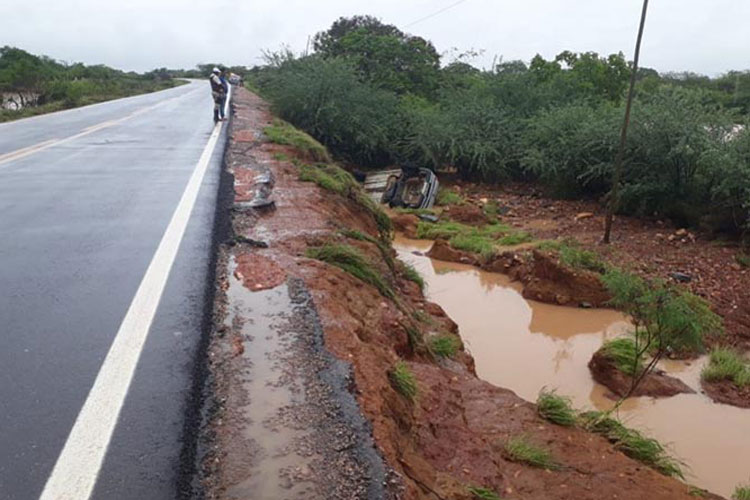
(444, 432)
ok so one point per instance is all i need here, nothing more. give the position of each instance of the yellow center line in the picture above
(41, 146)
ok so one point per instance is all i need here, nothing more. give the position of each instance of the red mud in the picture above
(725, 391)
(452, 435)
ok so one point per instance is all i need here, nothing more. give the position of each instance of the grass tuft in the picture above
(448, 197)
(445, 346)
(412, 274)
(515, 238)
(483, 493)
(284, 133)
(481, 240)
(727, 364)
(403, 380)
(623, 352)
(555, 408)
(350, 260)
(384, 248)
(633, 443)
(572, 255)
(741, 493)
(521, 449)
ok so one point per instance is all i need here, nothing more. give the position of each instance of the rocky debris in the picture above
(681, 277)
(656, 384)
(726, 392)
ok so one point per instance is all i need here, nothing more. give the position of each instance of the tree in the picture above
(385, 56)
(666, 320)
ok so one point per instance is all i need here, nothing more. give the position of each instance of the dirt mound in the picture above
(441, 250)
(406, 224)
(724, 391)
(656, 384)
(466, 213)
(547, 280)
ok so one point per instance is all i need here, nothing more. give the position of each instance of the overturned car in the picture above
(407, 187)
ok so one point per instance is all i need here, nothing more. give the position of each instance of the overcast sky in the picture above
(705, 36)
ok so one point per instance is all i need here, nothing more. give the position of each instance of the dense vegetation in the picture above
(33, 84)
(375, 95)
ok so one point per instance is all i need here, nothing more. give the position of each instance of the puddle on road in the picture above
(277, 469)
(525, 345)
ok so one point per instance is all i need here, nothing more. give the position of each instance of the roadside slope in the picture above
(442, 431)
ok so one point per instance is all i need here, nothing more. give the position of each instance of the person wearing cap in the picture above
(218, 93)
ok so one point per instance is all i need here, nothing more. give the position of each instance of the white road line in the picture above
(79, 463)
(22, 153)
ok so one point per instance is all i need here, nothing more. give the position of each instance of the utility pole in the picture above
(614, 194)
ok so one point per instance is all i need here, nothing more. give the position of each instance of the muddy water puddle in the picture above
(525, 345)
(279, 459)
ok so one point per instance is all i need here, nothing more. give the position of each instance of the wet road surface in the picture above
(86, 196)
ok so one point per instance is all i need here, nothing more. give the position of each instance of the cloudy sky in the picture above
(705, 36)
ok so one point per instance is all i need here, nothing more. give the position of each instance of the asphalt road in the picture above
(86, 196)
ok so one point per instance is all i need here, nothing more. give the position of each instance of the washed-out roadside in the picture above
(307, 288)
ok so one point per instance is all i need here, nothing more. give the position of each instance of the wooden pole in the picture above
(614, 194)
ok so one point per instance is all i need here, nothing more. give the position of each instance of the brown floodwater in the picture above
(525, 345)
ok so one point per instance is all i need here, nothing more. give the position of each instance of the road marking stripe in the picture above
(76, 470)
(35, 148)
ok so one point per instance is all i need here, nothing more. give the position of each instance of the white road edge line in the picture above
(77, 468)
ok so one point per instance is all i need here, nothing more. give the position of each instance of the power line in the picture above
(434, 13)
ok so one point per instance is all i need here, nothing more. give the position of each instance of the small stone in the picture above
(584, 215)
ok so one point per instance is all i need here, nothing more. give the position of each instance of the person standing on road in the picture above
(225, 86)
(218, 94)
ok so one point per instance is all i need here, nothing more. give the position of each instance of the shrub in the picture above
(445, 346)
(403, 380)
(521, 449)
(633, 443)
(555, 408)
(350, 260)
(726, 364)
(743, 259)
